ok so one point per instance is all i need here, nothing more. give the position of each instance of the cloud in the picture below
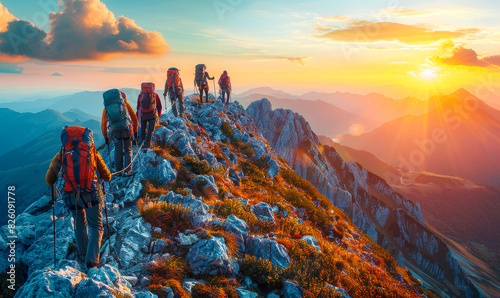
(297, 60)
(10, 68)
(5, 17)
(56, 74)
(84, 30)
(369, 32)
(335, 19)
(466, 57)
(426, 12)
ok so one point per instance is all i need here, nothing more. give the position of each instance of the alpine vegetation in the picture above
(211, 210)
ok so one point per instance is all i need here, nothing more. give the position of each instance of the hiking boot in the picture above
(91, 265)
(127, 174)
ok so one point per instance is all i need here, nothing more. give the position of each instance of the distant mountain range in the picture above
(25, 166)
(460, 209)
(90, 102)
(323, 117)
(460, 137)
(337, 113)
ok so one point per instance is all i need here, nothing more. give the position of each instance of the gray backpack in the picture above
(119, 122)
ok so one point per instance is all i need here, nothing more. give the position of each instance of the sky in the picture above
(398, 48)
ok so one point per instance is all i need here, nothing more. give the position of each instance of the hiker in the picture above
(81, 166)
(225, 87)
(200, 79)
(175, 90)
(148, 111)
(123, 127)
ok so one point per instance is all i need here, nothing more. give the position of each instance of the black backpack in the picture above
(199, 75)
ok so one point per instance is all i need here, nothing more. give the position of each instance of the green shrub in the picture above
(172, 219)
(196, 166)
(262, 272)
(21, 276)
(227, 130)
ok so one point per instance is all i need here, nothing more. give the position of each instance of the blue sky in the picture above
(279, 43)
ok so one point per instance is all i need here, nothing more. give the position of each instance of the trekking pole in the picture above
(215, 94)
(54, 222)
(106, 212)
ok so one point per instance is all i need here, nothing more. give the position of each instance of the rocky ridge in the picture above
(238, 223)
(374, 207)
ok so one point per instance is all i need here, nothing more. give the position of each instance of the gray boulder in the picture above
(238, 227)
(198, 211)
(264, 212)
(291, 290)
(211, 256)
(274, 169)
(136, 240)
(246, 294)
(205, 184)
(157, 168)
(265, 248)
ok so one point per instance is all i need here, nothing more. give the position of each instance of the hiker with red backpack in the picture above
(119, 117)
(225, 87)
(148, 111)
(81, 167)
(200, 79)
(175, 90)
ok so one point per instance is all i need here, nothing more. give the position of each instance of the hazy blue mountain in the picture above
(77, 114)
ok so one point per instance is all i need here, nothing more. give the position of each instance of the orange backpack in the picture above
(173, 76)
(79, 168)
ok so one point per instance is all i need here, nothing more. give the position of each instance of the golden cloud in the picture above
(370, 32)
(84, 30)
(5, 17)
(461, 56)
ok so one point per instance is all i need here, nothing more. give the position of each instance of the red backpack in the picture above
(79, 168)
(173, 76)
(148, 98)
(224, 80)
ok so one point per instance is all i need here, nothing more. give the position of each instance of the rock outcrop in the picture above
(373, 206)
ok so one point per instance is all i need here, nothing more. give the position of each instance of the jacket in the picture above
(104, 120)
(158, 104)
(53, 171)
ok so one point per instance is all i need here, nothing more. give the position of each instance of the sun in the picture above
(429, 74)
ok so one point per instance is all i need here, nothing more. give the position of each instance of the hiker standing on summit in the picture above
(175, 90)
(225, 87)
(81, 166)
(200, 79)
(123, 127)
(148, 111)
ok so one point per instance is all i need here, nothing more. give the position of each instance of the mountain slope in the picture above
(459, 209)
(210, 212)
(20, 128)
(373, 206)
(79, 115)
(458, 138)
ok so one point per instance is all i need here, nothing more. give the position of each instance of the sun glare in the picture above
(429, 74)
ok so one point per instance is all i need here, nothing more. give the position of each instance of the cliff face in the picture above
(376, 209)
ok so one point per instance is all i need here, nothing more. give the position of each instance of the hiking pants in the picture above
(180, 101)
(203, 88)
(88, 230)
(223, 95)
(123, 148)
(150, 126)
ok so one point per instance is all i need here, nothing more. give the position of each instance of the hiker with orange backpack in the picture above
(148, 111)
(225, 87)
(81, 167)
(175, 90)
(200, 79)
(119, 117)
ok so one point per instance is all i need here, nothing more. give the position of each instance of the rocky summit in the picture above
(235, 203)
